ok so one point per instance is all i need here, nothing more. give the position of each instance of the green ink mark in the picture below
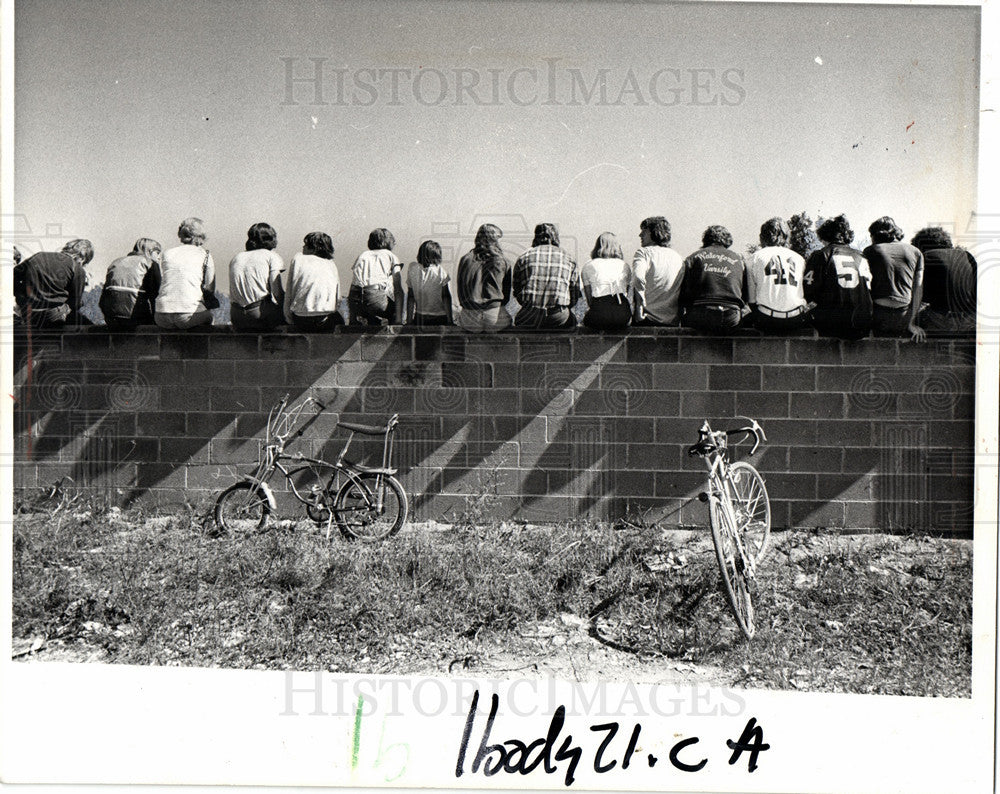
(357, 732)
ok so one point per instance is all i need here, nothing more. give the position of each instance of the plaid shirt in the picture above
(546, 277)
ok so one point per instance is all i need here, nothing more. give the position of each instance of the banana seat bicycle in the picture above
(740, 515)
(366, 503)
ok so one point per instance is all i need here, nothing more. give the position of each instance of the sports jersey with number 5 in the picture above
(837, 278)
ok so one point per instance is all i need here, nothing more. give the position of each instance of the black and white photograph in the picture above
(500, 394)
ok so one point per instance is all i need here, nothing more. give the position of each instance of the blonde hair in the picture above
(607, 247)
(192, 231)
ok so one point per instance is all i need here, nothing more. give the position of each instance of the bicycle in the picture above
(740, 515)
(366, 503)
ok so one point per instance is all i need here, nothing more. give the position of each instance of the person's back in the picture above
(313, 286)
(50, 280)
(950, 291)
(894, 267)
(484, 283)
(712, 286)
(130, 289)
(657, 273)
(836, 280)
(182, 277)
(775, 287)
(546, 282)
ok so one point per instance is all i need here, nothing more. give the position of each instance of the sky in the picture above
(429, 118)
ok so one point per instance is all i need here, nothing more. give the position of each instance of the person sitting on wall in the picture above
(255, 292)
(774, 281)
(897, 281)
(428, 297)
(949, 284)
(712, 288)
(131, 286)
(836, 280)
(546, 282)
(376, 272)
(656, 275)
(313, 292)
(48, 287)
(187, 285)
(484, 284)
(605, 280)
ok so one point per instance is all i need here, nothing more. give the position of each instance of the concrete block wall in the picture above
(869, 435)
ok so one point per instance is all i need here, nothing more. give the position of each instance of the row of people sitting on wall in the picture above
(839, 290)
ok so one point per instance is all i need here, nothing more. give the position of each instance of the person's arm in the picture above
(520, 280)
(208, 284)
(290, 293)
(588, 294)
(75, 297)
(507, 284)
(574, 285)
(917, 334)
(639, 268)
(397, 293)
(277, 267)
(409, 305)
(446, 297)
(812, 280)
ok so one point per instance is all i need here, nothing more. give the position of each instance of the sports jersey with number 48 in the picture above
(838, 277)
(775, 279)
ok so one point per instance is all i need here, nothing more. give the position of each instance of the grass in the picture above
(874, 615)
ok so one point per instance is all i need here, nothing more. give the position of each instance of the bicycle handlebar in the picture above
(708, 440)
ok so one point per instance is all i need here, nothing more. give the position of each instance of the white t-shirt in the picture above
(313, 286)
(251, 274)
(774, 279)
(657, 273)
(606, 277)
(426, 284)
(184, 272)
(375, 268)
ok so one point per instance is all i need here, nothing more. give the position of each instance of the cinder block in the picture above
(490, 351)
(814, 351)
(439, 348)
(790, 378)
(284, 347)
(816, 459)
(854, 433)
(817, 515)
(708, 405)
(680, 377)
(771, 351)
(545, 348)
(237, 346)
(791, 486)
(653, 350)
(234, 399)
(820, 406)
(734, 377)
(130, 347)
(330, 348)
(161, 423)
(609, 348)
(183, 345)
(387, 348)
(705, 350)
(469, 376)
(209, 372)
(184, 398)
(184, 450)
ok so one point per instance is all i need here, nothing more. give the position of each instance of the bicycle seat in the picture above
(703, 447)
(368, 430)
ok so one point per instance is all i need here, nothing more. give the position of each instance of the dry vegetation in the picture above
(874, 614)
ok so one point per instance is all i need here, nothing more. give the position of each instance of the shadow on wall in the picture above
(544, 427)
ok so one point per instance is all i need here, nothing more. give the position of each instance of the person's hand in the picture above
(917, 334)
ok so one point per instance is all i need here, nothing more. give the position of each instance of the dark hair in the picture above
(885, 230)
(487, 247)
(717, 235)
(774, 232)
(262, 235)
(607, 247)
(931, 237)
(17, 255)
(381, 240)
(836, 230)
(429, 253)
(319, 244)
(546, 234)
(658, 228)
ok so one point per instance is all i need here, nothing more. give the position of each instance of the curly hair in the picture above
(658, 228)
(716, 235)
(381, 240)
(192, 231)
(262, 235)
(546, 234)
(318, 244)
(836, 230)
(607, 247)
(429, 253)
(931, 237)
(885, 230)
(81, 250)
(774, 232)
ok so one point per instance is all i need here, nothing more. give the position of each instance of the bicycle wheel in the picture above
(734, 580)
(752, 508)
(241, 509)
(370, 508)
